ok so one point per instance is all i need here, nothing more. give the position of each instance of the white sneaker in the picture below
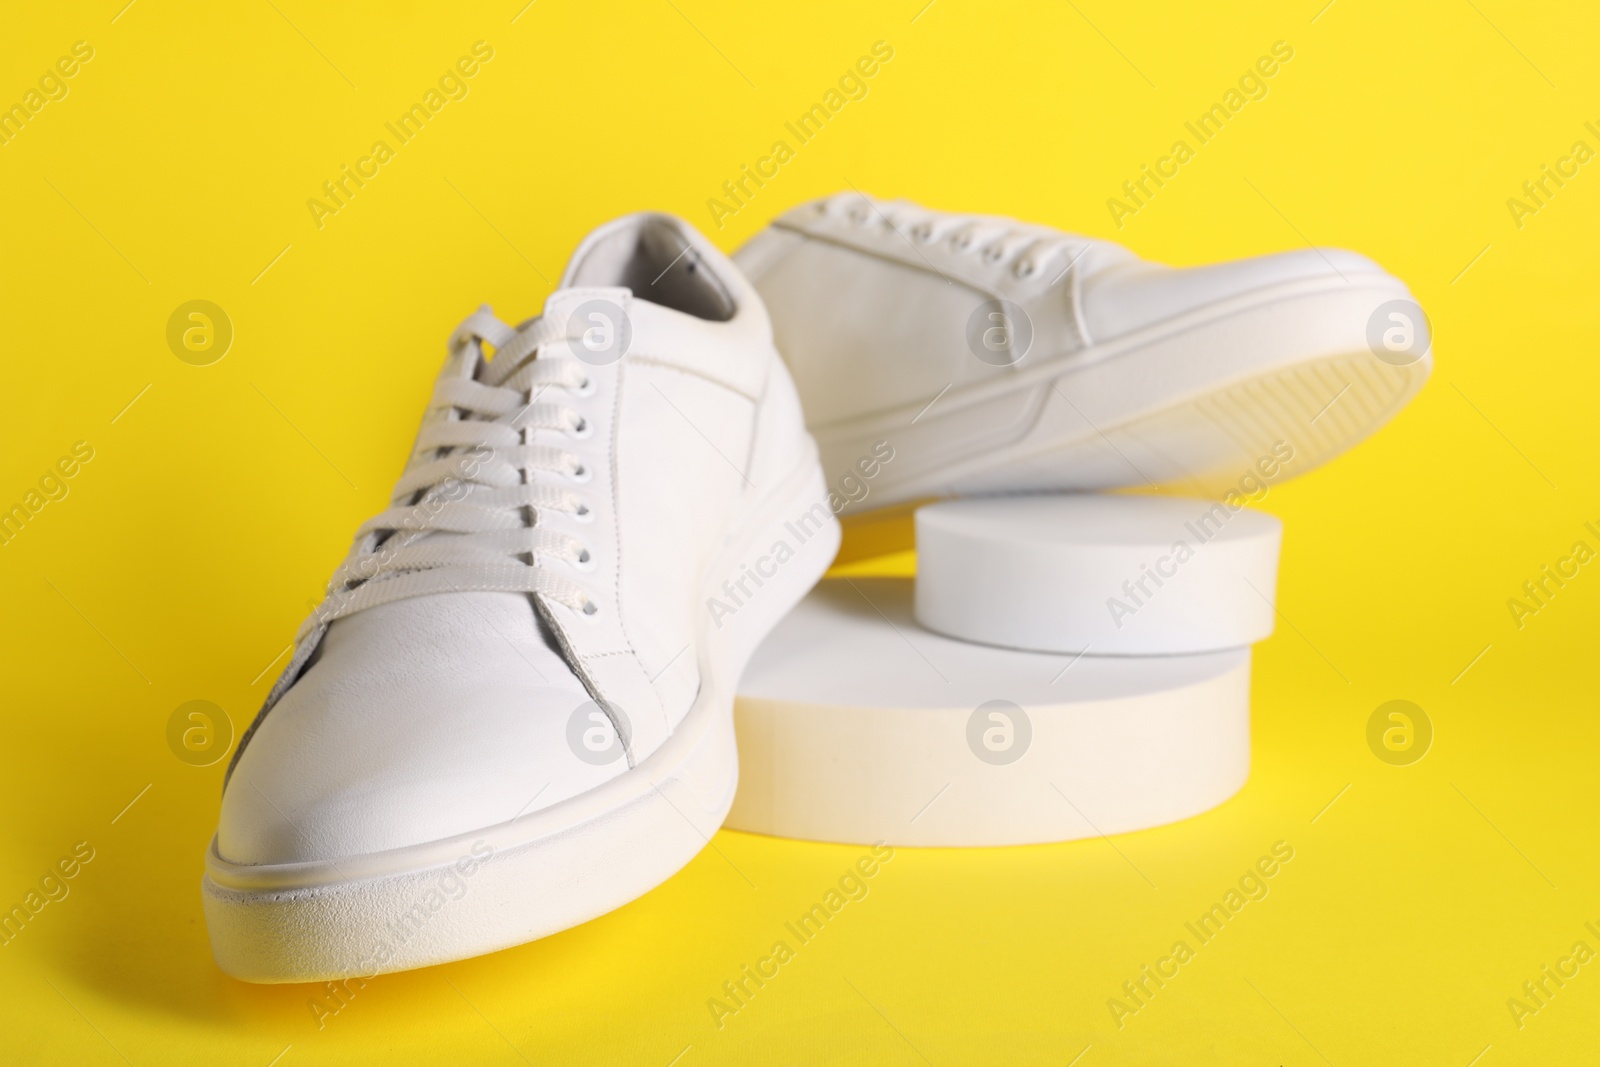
(514, 711)
(940, 354)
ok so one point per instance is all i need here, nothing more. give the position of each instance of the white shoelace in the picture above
(465, 515)
(1027, 249)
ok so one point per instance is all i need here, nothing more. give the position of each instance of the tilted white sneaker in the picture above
(984, 355)
(514, 711)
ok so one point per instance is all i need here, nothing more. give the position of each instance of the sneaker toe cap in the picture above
(372, 752)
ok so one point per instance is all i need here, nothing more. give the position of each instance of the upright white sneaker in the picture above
(514, 711)
(952, 354)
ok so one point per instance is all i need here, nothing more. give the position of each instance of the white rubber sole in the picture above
(1195, 404)
(551, 869)
(857, 726)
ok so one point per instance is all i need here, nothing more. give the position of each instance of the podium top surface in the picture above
(853, 642)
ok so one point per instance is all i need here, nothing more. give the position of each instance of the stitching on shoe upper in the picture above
(755, 433)
(616, 531)
(658, 361)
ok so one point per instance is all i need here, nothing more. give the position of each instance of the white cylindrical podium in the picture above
(1111, 575)
(857, 725)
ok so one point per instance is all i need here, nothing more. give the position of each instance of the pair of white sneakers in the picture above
(514, 711)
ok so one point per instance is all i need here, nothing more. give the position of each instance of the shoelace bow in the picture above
(464, 517)
(1028, 249)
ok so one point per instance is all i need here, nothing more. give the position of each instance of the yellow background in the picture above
(187, 551)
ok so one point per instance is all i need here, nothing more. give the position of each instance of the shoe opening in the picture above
(658, 264)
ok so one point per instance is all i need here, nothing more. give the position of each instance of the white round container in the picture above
(856, 725)
(1111, 575)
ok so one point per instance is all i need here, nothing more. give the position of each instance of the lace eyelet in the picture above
(583, 430)
(589, 610)
(922, 233)
(1025, 268)
(584, 562)
(993, 254)
(584, 513)
(961, 242)
(582, 474)
(585, 388)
